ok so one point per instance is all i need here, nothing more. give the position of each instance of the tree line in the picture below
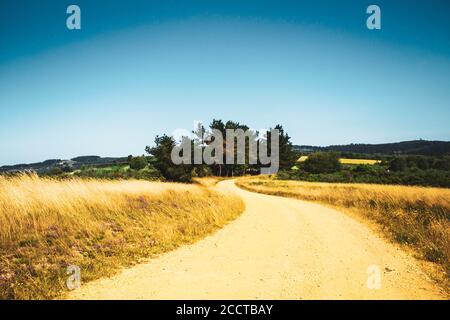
(162, 150)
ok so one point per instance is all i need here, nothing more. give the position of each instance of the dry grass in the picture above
(348, 161)
(209, 182)
(359, 161)
(302, 159)
(47, 225)
(416, 216)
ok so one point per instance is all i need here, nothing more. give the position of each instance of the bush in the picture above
(398, 164)
(162, 160)
(55, 171)
(138, 163)
(119, 172)
(373, 174)
(322, 162)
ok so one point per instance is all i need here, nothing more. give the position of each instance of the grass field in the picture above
(359, 161)
(348, 161)
(119, 171)
(47, 225)
(416, 216)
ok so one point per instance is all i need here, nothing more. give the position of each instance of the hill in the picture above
(75, 163)
(415, 147)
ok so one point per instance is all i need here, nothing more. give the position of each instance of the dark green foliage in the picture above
(118, 172)
(441, 164)
(67, 169)
(322, 162)
(201, 171)
(55, 171)
(86, 159)
(416, 147)
(228, 170)
(379, 173)
(423, 163)
(288, 156)
(164, 145)
(398, 164)
(138, 163)
(163, 162)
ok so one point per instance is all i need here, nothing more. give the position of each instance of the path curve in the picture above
(279, 248)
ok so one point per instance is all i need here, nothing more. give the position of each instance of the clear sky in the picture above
(141, 68)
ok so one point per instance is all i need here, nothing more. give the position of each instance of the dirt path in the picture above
(279, 248)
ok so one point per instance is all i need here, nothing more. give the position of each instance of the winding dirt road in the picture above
(279, 248)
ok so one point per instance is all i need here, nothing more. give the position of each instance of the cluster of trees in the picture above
(161, 153)
(322, 162)
(130, 168)
(414, 147)
(137, 163)
(164, 145)
(321, 165)
(135, 168)
(419, 162)
(405, 170)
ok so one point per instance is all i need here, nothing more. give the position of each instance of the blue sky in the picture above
(141, 68)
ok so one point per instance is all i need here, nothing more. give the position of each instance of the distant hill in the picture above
(417, 147)
(75, 163)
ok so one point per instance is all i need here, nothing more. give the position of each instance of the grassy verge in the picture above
(415, 216)
(47, 225)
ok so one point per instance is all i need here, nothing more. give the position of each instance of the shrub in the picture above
(398, 164)
(162, 160)
(138, 163)
(322, 162)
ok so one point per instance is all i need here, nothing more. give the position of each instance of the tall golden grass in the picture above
(416, 216)
(47, 225)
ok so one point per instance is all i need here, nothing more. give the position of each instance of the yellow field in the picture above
(47, 225)
(416, 216)
(359, 161)
(348, 161)
(302, 159)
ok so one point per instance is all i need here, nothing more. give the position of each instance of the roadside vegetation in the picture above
(47, 225)
(140, 168)
(433, 171)
(415, 216)
(103, 213)
(347, 160)
(117, 172)
(420, 163)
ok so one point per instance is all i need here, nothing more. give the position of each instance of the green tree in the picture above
(163, 161)
(217, 168)
(423, 163)
(398, 164)
(322, 162)
(66, 168)
(442, 163)
(55, 171)
(288, 156)
(138, 163)
(198, 141)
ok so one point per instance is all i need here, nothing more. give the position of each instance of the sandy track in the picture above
(279, 248)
